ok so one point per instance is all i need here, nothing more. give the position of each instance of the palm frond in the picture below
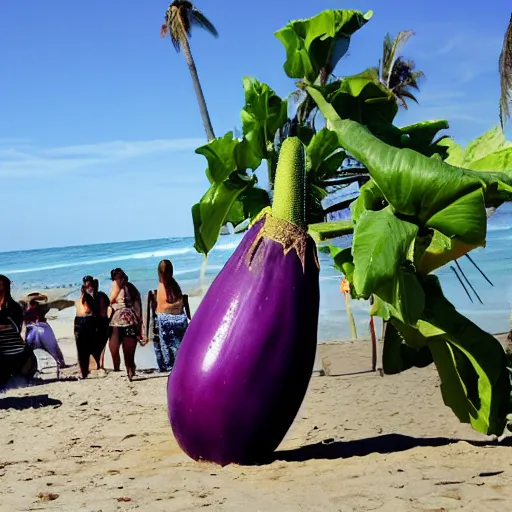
(400, 40)
(178, 23)
(387, 57)
(505, 67)
(180, 17)
(401, 94)
(403, 74)
(198, 19)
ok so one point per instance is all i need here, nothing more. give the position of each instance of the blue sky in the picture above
(99, 121)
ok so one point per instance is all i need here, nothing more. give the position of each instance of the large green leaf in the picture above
(370, 198)
(442, 250)
(408, 300)
(209, 215)
(324, 155)
(380, 245)
(248, 205)
(421, 137)
(253, 201)
(343, 261)
(319, 43)
(263, 114)
(220, 154)
(489, 152)
(498, 161)
(226, 155)
(361, 99)
(398, 356)
(478, 360)
(326, 230)
(454, 152)
(236, 213)
(491, 141)
(471, 363)
(418, 187)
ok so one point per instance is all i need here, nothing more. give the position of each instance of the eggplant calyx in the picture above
(289, 235)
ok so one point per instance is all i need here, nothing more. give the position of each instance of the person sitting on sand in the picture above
(172, 313)
(39, 334)
(16, 357)
(125, 322)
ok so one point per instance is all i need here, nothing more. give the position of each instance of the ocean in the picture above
(64, 267)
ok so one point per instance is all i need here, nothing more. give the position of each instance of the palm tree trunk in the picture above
(197, 88)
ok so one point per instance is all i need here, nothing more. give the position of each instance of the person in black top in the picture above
(98, 303)
(16, 358)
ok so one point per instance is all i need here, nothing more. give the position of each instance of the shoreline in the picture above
(62, 325)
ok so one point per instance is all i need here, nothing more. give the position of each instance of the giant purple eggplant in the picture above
(245, 362)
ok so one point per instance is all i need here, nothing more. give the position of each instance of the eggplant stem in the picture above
(290, 183)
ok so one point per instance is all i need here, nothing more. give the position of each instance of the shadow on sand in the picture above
(21, 403)
(388, 443)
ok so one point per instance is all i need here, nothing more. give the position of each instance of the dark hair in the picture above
(87, 298)
(10, 309)
(7, 287)
(132, 290)
(165, 276)
(118, 272)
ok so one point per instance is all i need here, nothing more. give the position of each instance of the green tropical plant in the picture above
(489, 152)
(181, 16)
(415, 215)
(396, 73)
(505, 68)
(313, 48)
(423, 205)
(231, 165)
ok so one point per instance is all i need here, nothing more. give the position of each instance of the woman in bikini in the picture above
(125, 322)
(172, 314)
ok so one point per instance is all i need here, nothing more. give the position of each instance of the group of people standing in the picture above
(117, 320)
(101, 319)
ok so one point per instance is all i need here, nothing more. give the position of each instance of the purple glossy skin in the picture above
(245, 362)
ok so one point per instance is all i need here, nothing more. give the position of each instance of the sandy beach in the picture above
(361, 442)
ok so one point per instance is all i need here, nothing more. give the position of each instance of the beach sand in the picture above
(360, 442)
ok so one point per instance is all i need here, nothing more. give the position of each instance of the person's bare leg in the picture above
(102, 358)
(129, 346)
(114, 346)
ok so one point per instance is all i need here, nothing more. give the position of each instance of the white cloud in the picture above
(463, 51)
(21, 160)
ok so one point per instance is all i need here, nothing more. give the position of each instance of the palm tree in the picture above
(395, 72)
(506, 75)
(181, 16)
